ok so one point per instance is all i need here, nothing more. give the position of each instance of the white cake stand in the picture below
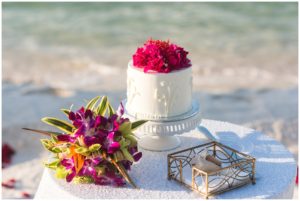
(159, 134)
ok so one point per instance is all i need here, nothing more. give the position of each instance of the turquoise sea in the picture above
(229, 37)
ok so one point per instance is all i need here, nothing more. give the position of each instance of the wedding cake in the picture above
(159, 81)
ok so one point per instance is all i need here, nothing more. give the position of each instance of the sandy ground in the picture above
(260, 109)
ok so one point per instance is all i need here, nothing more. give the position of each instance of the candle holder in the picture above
(237, 169)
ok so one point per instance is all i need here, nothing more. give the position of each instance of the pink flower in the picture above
(176, 57)
(160, 56)
(7, 153)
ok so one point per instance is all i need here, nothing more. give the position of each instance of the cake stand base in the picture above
(159, 143)
(161, 134)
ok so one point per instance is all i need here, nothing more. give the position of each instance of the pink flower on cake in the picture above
(160, 56)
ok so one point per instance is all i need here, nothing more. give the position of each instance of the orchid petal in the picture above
(137, 156)
(66, 138)
(120, 110)
(71, 175)
(113, 147)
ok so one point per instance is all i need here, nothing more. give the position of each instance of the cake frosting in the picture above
(155, 95)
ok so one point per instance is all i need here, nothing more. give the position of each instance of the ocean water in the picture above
(42, 39)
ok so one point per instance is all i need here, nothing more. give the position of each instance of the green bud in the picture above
(125, 127)
(94, 147)
(61, 172)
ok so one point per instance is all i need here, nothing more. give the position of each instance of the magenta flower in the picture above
(66, 138)
(120, 110)
(135, 154)
(111, 145)
(160, 56)
(88, 168)
(110, 178)
(69, 165)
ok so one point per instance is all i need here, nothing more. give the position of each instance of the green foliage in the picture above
(48, 133)
(83, 180)
(47, 144)
(91, 104)
(60, 124)
(53, 165)
(125, 127)
(124, 148)
(131, 137)
(54, 138)
(94, 147)
(66, 111)
(118, 156)
(101, 109)
(56, 150)
(111, 110)
(82, 150)
(100, 169)
(136, 124)
(61, 172)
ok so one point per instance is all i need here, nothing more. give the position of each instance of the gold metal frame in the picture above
(238, 170)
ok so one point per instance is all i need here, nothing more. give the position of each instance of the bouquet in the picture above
(97, 145)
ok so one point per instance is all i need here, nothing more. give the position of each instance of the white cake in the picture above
(155, 95)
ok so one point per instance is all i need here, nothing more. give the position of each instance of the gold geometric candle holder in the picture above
(238, 169)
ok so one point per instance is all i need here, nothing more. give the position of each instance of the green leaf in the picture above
(125, 127)
(52, 165)
(60, 124)
(101, 109)
(127, 155)
(66, 111)
(100, 169)
(81, 150)
(83, 180)
(92, 103)
(111, 110)
(54, 138)
(136, 124)
(132, 139)
(124, 173)
(47, 144)
(56, 150)
(47, 133)
(118, 156)
(61, 172)
(94, 147)
(124, 143)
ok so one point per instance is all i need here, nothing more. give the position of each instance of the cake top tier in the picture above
(160, 56)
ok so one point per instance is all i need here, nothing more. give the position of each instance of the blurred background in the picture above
(244, 56)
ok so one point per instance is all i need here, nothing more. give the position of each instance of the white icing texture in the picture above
(158, 95)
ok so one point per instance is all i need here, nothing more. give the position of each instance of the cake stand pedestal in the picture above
(159, 134)
(159, 143)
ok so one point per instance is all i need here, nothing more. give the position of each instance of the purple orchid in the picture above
(66, 138)
(88, 168)
(110, 178)
(120, 110)
(135, 154)
(111, 145)
(69, 165)
(85, 122)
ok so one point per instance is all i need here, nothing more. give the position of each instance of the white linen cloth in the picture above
(275, 170)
